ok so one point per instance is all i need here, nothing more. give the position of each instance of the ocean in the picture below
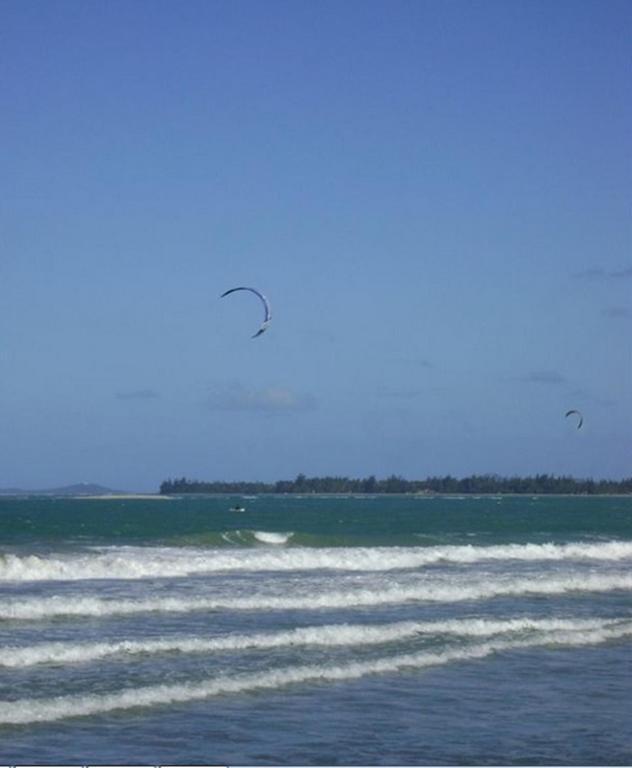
(316, 630)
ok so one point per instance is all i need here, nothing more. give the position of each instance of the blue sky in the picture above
(434, 196)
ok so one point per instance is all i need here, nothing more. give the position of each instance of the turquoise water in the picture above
(316, 630)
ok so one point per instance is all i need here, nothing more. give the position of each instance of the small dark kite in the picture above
(266, 305)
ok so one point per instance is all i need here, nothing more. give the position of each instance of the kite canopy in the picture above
(266, 306)
(578, 414)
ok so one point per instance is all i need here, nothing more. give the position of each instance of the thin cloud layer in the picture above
(398, 394)
(137, 394)
(543, 377)
(588, 396)
(599, 273)
(420, 362)
(617, 312)
(270, 399)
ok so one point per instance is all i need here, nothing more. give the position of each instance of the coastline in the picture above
(121, 496)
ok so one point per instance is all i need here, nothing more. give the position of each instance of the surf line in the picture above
(48, 607)
(140, 563)
(331, 635)
(25, 711)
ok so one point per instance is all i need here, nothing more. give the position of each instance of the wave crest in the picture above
(167, 562)
(34, 608)
(23, 711)
(330, 635)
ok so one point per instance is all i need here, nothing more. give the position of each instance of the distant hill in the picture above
(80, 489)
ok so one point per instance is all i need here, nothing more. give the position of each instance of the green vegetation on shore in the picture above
(537, 484)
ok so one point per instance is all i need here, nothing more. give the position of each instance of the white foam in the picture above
(331, 635)
(49, 607)
(22, 711)
(168, 562)
(272, 538)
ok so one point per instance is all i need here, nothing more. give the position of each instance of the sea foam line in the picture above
(329, 635)
(23, 711)
(58, 605)
(166, 562)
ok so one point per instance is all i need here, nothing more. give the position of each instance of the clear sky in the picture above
(435, 197)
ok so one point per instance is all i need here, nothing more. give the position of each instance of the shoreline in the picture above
(437, 495)
(404, 495)
(91, 497)
(116, 496)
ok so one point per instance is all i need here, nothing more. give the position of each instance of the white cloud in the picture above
(236, 397)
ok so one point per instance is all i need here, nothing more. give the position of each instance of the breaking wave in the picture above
(272, 538)
(33, 608)
(168, 562)
(245, 538)
(23, 711)
(331, 635)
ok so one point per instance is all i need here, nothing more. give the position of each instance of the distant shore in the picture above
(114, 496)
(333, 495)
(88, 496)
(438, 495)
(478, 485)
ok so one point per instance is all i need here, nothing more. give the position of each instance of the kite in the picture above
(577, 413)
(267, 316)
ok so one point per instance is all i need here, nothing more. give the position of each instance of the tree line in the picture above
(477, 484)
